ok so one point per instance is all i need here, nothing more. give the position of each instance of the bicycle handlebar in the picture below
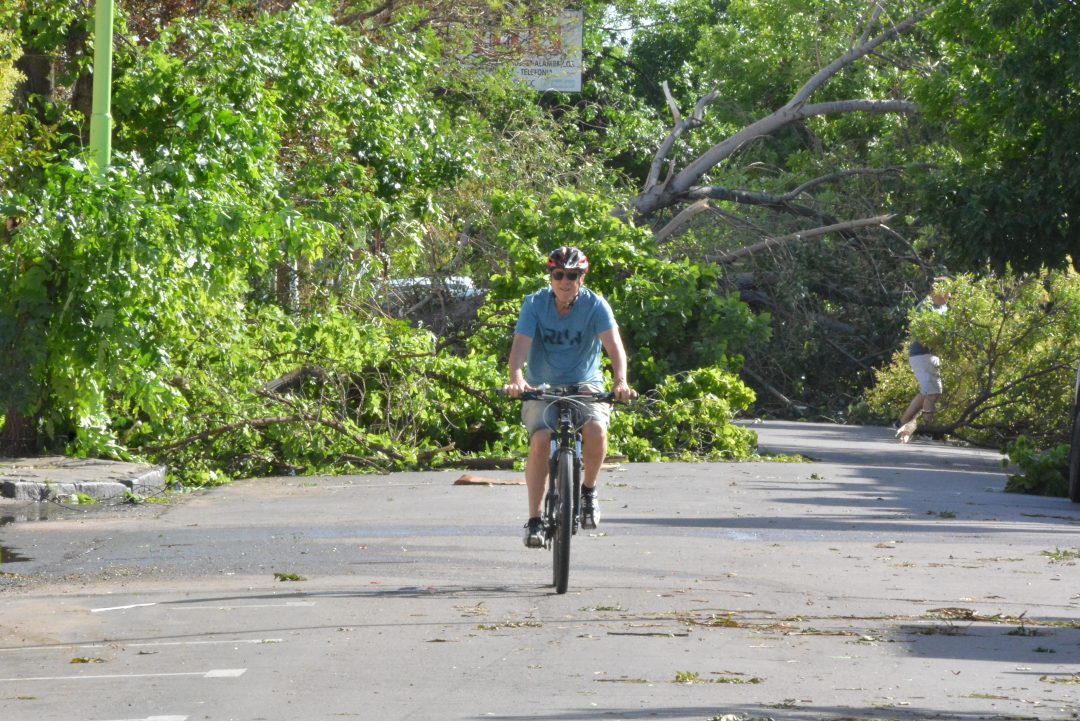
(549, 394)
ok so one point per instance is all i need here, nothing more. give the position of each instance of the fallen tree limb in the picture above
(219, 431)
(734, 255)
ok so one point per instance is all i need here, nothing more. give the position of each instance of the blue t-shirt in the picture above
(564, 351)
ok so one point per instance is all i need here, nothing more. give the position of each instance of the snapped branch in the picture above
(734, 255)
(656, 195)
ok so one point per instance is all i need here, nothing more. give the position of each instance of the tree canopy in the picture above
(1005, 186)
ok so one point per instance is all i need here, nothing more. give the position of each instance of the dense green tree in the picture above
(782, 117)
(1005, 180)
(240, 149)
(9, 122)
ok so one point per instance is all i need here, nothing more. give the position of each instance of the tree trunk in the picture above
(18, 436)
(82, 94)
(40, 79)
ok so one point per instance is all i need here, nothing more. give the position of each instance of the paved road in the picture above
(879, 581)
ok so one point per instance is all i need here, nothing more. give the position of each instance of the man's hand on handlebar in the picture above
(623, 392)
(515, 388)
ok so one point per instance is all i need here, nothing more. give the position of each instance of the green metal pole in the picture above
(101, 117)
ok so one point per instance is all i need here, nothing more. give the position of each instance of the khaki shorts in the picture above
(543, 416)
(927, 369)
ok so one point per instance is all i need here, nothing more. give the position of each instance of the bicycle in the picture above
(561, 513)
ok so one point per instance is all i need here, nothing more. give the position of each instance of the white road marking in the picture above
(214, 673)
(242, 606)
(122, 644)
(157, 718)
(184, 643)
(121, 608)
(205, 608)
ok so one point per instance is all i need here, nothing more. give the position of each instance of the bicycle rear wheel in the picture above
(564, 511)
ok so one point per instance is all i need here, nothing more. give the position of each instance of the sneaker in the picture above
(534, 533)
(590, 510)
(906, 431)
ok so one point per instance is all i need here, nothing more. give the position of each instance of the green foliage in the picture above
(1008, 347)
(1043, 472)
(1006, 174)
(81, 499)
(670, 315)
(288, 576)
(676, 320)
(681, 337)
(831, 299)
(335, 126)
(43, 25)
(758, 54)
(688, 416)
(687, 677)
(139, 316)
(9, 76)
(145, 312)
(761, 52)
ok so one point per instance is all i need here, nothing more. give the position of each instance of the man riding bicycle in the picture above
(559, 335)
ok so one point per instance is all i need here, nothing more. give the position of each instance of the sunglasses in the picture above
(568, 274)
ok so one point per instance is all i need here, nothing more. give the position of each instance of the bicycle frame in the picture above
(566, 436)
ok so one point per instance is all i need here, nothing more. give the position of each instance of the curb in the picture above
(51, 477)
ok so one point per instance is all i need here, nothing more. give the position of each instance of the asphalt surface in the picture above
(878, 581)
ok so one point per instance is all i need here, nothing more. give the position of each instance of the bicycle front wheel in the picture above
(564, 512)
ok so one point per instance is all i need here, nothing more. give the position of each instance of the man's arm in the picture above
(519, 353)
(614, 346)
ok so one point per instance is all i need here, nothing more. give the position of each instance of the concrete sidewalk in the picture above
(59, 478)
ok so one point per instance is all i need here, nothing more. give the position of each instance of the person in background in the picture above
(927, 368)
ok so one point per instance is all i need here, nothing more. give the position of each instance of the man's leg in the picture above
(908, 420)
(930, 407)
(917, 404)
(536, 470)
(593, 451)
(536, 467)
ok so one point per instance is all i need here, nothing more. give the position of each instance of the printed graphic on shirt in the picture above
(562, 337)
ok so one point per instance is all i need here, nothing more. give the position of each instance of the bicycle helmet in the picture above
(568, 258)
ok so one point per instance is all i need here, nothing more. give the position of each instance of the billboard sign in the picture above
(547, 58)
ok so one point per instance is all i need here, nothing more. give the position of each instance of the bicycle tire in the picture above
(564, 511)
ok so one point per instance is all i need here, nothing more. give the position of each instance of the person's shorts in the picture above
(542, 415)
(927, 369)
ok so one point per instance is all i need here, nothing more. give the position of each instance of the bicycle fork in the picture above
(549, 499)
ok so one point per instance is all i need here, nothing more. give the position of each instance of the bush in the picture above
(688, 416)
(1045, 473)
(683, 340)
(1008, 347)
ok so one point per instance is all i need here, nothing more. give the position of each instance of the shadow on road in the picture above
(791, 711)
(1012, 642)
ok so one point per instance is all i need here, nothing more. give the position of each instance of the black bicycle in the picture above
(562, 503)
